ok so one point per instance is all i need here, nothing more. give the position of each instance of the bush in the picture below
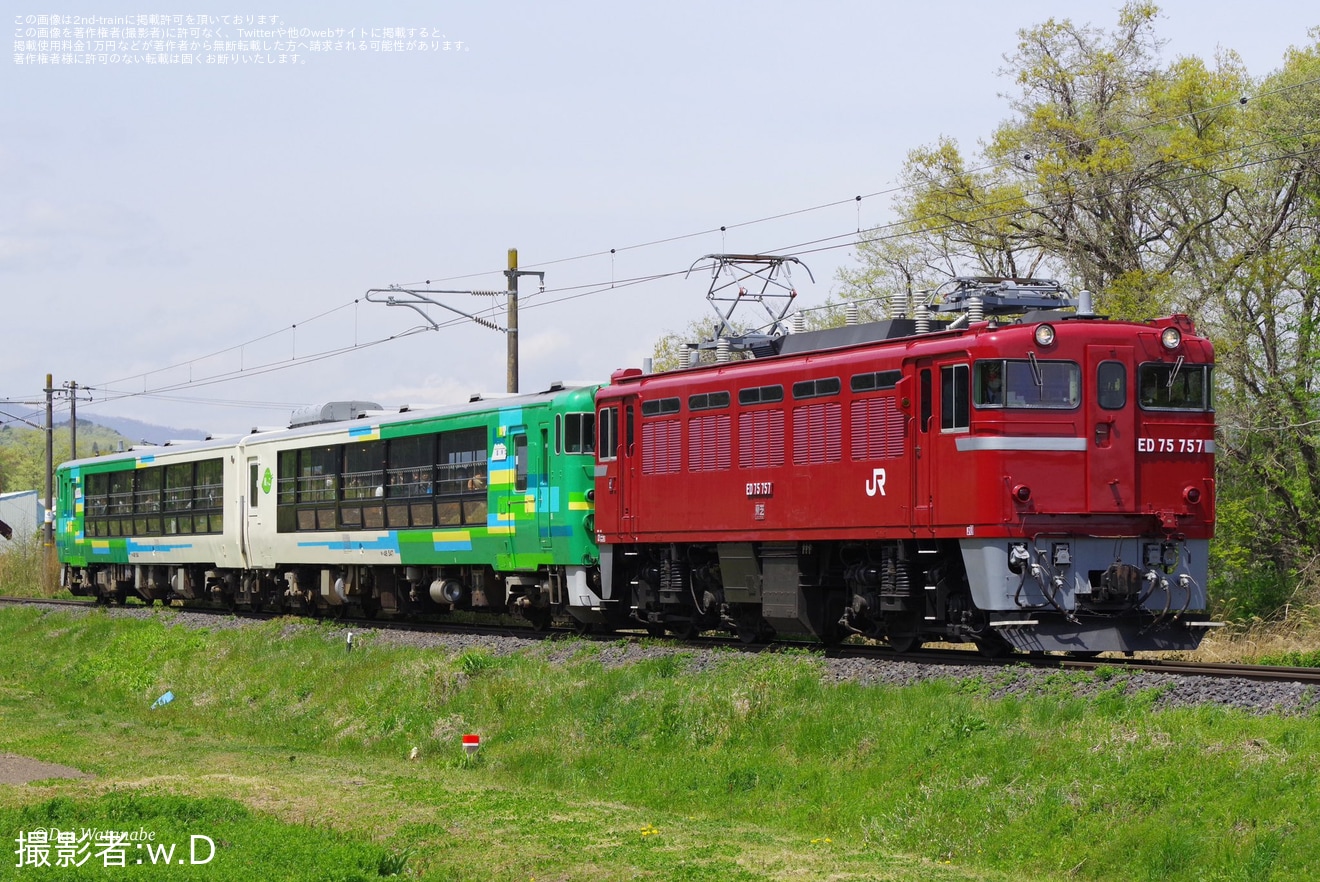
(21, 569)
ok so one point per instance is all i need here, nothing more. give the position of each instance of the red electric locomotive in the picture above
(1040, 483)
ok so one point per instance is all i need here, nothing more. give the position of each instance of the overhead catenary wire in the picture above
(888, 191)
(837, 241)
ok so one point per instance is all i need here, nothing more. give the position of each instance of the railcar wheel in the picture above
(993, 646)
(539, 619)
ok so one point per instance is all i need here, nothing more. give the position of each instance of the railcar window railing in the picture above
(179, 498)
(426, 480)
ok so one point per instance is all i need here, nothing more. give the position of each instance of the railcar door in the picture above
(543, 494)
(1110, 429)
(255, 516)
(518, 506)
(923, 449)
(615, 484)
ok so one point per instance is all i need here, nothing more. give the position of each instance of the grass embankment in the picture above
(291, 755)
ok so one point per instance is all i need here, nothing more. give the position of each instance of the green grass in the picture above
(280, 744)
(1295, 659)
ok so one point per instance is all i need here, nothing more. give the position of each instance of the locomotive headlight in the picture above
(1191, 495)
(1022, 493)
(1171, 338)
(1044, 335)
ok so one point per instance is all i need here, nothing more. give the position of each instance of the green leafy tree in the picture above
(23, 452)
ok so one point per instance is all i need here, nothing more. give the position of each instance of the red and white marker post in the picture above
(471, 744)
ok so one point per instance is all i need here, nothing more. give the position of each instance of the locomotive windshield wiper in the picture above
(1173, 374)
(1036, 375)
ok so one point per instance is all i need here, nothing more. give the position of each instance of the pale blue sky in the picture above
(150, 215)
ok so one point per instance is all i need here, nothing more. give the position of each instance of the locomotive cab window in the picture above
(1027, 383)
(1111, 385)
(955, 413)
(608, 426)
(1176, 386)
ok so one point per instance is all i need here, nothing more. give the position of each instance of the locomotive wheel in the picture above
(993, 646)
(760, 632)
(538, 618)
(900, 630)
(906, 641)
(687, 630)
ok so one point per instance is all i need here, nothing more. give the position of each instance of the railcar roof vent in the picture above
(331, 412)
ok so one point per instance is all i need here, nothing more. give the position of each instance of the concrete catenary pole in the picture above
(512, 331)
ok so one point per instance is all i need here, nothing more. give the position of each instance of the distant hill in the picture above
(23, 450)
(139, 431)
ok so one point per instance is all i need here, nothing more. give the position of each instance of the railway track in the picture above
(946, 657)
